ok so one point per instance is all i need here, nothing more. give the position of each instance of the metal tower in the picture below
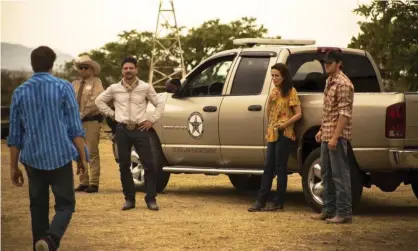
(166, 47)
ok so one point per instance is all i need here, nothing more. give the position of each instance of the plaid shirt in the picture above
(338, 100)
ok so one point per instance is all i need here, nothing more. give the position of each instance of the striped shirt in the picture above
(44, 118)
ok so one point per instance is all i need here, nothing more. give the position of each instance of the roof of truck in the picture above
(293, 45)
(292, 49)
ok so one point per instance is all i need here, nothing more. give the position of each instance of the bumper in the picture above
(404, 158)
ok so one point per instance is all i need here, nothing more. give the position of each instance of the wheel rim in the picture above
(138, 172)
(315, 182)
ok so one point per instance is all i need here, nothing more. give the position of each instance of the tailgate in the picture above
(411, 127)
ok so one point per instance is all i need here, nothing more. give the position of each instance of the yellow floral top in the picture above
(281, 111)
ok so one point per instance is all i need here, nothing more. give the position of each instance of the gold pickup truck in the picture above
(215, 122)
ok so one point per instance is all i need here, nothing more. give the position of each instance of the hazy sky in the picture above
(75, 26)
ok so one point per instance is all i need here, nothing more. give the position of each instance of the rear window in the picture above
(308, 73)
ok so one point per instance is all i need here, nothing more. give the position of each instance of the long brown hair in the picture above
(287, 84)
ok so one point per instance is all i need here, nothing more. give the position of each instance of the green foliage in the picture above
(199, 43)
(10, 80)
(212, 37)
(110, 56)
(390, 34)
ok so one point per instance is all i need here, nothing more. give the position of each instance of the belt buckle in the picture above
(131, 126)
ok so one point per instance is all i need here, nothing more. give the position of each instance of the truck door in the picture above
(191, 119)
(242, 119)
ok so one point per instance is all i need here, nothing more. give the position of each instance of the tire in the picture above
(244, 182)
(137, 169)
(311, 183)
(414, 186)
(157, 151)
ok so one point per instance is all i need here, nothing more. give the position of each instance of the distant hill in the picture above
(17, 57)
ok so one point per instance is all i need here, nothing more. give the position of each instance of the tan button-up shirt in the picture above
(131, 105)
(338, 100)
(92, 88)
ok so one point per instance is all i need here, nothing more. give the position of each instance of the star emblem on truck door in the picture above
(195, 125)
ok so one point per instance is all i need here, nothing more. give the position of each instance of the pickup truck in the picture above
(215, 123)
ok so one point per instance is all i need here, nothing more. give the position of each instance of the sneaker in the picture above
(45, 244)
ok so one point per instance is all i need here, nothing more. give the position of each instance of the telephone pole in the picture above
(167, 54)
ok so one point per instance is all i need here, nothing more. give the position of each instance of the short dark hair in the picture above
(287, 84)
(42, 59)
(129, 59)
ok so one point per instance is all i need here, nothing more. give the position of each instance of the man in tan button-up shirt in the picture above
(87, 89)
(131, 97)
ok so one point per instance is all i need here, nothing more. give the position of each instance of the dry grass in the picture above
(206, 213)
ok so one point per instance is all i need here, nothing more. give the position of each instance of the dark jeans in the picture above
(61, 181)
(125, 139)
(335, 171)
(275, 164)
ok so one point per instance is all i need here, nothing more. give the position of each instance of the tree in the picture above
(390, 34)
(198, 44)
(212, 37)
(110, 56)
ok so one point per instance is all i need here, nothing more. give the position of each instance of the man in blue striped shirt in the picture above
(46, 135)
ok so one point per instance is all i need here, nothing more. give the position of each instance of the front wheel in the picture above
(138, 171)
(313, 185)
(138, 175)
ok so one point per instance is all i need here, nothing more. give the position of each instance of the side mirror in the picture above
(172, 85)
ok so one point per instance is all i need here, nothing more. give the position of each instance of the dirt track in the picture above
(206, 213)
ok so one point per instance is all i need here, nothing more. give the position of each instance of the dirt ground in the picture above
(206, 213)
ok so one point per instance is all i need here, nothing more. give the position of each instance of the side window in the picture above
(250, 76)
(308, 74)
(210, 78)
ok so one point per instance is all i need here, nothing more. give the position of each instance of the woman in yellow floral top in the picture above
(283, 110)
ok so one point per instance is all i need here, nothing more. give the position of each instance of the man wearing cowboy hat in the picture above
(87, 89)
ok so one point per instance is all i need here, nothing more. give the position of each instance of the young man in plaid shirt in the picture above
(334, 135)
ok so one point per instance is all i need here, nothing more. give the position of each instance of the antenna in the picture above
(167, 54)
(271, 41)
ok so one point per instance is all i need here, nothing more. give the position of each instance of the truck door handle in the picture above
(210, 109)
(254, 108)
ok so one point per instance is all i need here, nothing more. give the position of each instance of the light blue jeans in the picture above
(335, 170)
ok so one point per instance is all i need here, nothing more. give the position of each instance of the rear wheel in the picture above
(245, 182)
(313, 185)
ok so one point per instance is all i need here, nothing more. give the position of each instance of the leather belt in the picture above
(130, 127)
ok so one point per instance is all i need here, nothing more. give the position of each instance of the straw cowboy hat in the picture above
(86, 60)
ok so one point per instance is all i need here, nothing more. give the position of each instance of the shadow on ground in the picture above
(368, 207)
(380, 208)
